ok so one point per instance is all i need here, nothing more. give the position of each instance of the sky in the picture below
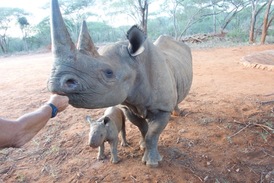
(31, 6)
(34, 7)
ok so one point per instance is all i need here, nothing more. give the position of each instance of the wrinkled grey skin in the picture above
(107, 129)
(149, 79)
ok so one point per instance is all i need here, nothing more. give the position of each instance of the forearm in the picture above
(32, 123)
(24, 128)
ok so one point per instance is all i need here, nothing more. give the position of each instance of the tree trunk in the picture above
(265, 24)
(255, 12)
(175, 25)
(252, 23)
(2, 48)
(146, 16)
(231, 15)
(144, 13)
(3, 44)
(214, 17)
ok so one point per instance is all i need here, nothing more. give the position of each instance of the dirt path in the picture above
(225, 136)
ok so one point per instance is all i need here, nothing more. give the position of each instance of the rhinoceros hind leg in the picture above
(124, 142)
(179, 112)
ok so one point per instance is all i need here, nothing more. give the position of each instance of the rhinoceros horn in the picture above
(62, 44)
(85, 43)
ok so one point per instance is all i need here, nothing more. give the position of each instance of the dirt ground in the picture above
(226, 134)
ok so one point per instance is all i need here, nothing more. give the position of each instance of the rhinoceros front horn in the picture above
(62, 44)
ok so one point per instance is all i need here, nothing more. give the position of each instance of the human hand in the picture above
(61, 102)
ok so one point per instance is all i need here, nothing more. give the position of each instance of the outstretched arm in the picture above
(15, 133)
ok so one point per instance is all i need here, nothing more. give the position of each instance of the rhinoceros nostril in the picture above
(71, 83)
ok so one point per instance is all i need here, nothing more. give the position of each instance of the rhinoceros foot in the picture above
(115, 160)
(142, 144)
(101, 157)
(125, 144)
(180, 113)
(152, 158)
(177, 111)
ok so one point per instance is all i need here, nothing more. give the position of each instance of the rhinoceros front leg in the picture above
(113, 151)
(101, 150)
(156, 124)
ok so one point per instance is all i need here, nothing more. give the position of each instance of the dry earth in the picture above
(226, 134)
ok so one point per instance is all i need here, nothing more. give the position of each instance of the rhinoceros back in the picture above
(116, 115)
(178, 56)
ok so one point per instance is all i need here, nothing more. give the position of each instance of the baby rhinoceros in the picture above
(107, 128)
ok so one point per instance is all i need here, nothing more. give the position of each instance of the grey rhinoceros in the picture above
(148, 79)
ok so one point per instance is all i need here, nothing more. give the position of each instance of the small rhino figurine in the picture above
(107, 128)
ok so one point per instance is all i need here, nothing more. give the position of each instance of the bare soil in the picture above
(226, 134)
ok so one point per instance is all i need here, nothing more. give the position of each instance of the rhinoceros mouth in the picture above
(59, 93)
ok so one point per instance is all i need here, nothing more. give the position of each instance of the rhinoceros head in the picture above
(90, 79)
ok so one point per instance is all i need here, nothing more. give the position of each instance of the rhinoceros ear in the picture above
(85, 43)
(88, 119)
(136, 39)
(106, 120)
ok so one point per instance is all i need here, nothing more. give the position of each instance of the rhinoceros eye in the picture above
(108, 73)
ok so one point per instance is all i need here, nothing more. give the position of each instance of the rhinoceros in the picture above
(148, 79)
(107, 129)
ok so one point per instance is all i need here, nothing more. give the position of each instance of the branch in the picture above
(270, 21)
(267, 102)
(190, 23)
(265, 127)
(248, 125)
(260, 9)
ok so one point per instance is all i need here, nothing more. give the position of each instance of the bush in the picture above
(238, 35)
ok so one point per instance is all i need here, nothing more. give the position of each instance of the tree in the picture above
(7, 16)
(136, 10)
(42, 33)
(101, 32)
(256, 9)
(266, 23)
(233, 8)
(173, 6)
(186, 13)
(143, 6)
(23, 22)
(75, 12)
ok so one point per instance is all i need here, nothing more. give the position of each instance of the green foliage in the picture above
(238, 35)
(40, 35)
(75, 6)
(175, 18)
(7, 16)
(23, 21)
(15, 45)
(159, 26)
(101, 32)
(74, 12)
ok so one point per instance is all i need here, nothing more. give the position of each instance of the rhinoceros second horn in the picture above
(85, 43)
